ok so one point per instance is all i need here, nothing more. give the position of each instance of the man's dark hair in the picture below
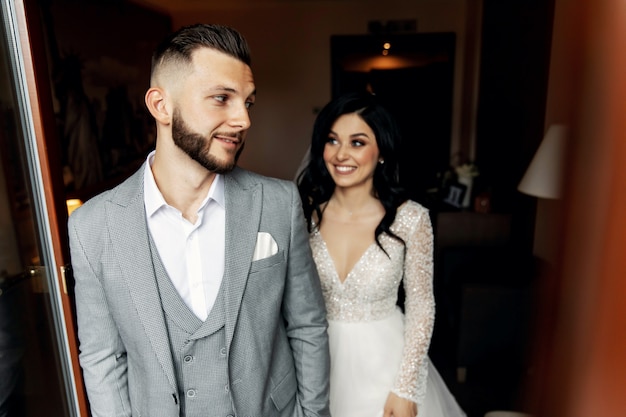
(180, 45)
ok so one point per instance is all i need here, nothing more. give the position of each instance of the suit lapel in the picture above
(126, 218)
(243, 213)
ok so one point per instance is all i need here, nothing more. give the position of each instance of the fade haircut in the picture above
(179, 46)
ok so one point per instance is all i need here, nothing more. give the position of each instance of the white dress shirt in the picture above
(192, 254)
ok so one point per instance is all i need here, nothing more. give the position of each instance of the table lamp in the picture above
(544, 179)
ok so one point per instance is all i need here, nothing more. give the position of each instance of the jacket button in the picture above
(223, 351)
(188, 359)
(191, 393)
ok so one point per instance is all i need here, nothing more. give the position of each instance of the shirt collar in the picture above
(154, 199)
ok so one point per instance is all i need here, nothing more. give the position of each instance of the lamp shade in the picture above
(544, 176)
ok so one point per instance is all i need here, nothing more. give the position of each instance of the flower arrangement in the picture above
(467, 170)
(456, 183)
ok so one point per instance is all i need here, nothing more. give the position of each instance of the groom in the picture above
(196, 292)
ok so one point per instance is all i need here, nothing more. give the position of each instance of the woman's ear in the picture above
(157, 105)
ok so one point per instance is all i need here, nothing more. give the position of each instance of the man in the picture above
(196, 292)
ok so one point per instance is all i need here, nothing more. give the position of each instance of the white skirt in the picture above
(365, 357)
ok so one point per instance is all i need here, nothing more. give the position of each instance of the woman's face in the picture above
(351, 152)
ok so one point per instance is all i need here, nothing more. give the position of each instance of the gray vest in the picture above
(198, 350)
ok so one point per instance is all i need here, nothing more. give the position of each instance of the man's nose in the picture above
(240, 117)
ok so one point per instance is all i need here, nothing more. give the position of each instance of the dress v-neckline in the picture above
(332, 261)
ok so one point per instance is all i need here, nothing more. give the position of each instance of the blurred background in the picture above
(512, 117)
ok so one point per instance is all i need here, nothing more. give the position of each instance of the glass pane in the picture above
(33, 363)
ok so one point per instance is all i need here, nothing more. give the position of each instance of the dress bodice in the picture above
(370, 290)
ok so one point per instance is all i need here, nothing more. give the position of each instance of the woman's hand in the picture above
(399, 407)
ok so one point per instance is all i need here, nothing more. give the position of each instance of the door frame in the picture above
(35, 95)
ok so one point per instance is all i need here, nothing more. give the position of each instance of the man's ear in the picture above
(157, 105)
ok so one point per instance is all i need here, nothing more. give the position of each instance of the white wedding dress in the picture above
(374, 348)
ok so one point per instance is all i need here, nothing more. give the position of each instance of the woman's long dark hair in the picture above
(315, 184)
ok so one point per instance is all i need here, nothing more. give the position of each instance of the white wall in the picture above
(290, 45)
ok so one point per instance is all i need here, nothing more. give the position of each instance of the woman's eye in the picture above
(331, 140)
(221, 99)
(249, 104)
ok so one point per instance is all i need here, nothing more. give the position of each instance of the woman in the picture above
(366, 239)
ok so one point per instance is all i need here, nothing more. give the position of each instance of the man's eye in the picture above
(249, 104)
(221, 99)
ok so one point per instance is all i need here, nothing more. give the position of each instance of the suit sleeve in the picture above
(102, 354)
(305, 314)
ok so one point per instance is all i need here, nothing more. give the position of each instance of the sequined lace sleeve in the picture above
(414, 226)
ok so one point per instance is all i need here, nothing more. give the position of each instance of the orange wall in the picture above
(583, 344)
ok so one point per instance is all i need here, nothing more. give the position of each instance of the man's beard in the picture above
(196, 146)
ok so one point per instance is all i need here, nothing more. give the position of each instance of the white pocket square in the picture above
(265, 246)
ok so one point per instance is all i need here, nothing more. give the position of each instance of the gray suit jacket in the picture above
(275, 317)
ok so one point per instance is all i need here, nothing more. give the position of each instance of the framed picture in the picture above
(454, 194)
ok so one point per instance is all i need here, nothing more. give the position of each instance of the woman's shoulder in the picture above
(412, 208)
(409, 215)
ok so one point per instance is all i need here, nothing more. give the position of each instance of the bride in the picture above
(367, 239)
